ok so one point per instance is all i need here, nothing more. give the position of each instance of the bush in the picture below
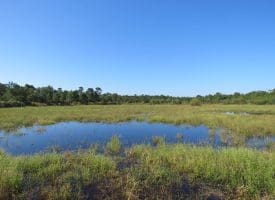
(195, 102)
(11, 103)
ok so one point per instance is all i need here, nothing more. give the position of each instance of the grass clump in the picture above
(158, 141)
(195, 102)
(271, 146)
(114, 146)
(179, 137)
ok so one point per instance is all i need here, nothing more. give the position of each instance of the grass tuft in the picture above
(114, 146)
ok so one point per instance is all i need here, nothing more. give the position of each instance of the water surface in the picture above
(75, 135)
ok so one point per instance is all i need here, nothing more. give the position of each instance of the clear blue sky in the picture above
(174, 47)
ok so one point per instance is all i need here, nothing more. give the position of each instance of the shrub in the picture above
(11, 103)
(195, 102)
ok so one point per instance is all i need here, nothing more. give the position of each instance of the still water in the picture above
(75, 135)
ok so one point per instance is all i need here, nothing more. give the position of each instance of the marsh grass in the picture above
(158, 141)
(160, 171)
(180, 137)
(144, 172)
(270, 146)
(52, 176)
(114, 146)
(231, 169)
(259, 122)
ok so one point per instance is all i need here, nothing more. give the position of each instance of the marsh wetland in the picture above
(138, 152)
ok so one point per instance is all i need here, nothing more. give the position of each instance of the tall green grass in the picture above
(114, 146)
(53, 176)
(145, 172)
(240, 172)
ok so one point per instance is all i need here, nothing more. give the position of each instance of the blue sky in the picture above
(173, 47)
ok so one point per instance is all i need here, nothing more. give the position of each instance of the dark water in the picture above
(75, 135)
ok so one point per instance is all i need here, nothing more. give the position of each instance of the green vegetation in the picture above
(162, 172)
(195, 102)
(114, 146)
(158, 141)
(240, 173)
(53, 176)
(258, 121)
(14, 95)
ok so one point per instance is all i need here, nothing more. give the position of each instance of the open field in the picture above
(247, 120)
(141, 172)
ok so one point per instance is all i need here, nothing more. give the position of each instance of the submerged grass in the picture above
(145, 172)
(258, 120)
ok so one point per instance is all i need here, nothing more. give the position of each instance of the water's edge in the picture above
(70, 136)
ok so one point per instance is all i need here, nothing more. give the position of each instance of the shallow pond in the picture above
(75, 135)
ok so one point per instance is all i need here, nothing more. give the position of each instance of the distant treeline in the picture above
(12, 95)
